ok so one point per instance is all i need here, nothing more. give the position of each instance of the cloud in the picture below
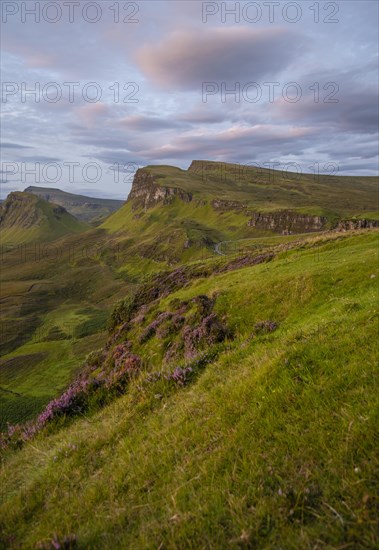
(14, 146)
(186, 58)
(202, 114)
(143, 123)
(355, 111)
(38, 158)
(171, 50)
(91, 114)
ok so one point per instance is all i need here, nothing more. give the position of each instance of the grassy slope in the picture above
(94, 266)
(30, 219)
(272, 446)
(84, 208)
(266, 190)
(160, 233)
(40, 369)
(42, 296)
(62, 293)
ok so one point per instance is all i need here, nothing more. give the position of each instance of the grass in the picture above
(39, 371)
(87, 209)
(59, 304)
(268, 190)
(272, 445)
(26, 219)
(182, 231)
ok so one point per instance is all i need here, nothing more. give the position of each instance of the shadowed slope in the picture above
(26, 218)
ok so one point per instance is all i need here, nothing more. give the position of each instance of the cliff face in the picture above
(26, 218)
(147, 192)
(346, 225)
(151, 187)
(288, 222)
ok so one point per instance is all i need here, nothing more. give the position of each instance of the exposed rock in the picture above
(59, 211)
(147, 192)
(264, 327)
(225, 206)
(20, 209)
(348, 225)
(287, 222)
(245, 261)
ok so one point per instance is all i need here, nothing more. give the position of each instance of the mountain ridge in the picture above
(84, 208)
(171, 212)
(25, 217)
(257, 188)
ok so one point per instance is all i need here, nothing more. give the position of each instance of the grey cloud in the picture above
(14, 146)
(354, 112)
(38, 158)
(150, 124)
(369, 168)
(172, 128)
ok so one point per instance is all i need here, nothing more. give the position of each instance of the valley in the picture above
(177, 342)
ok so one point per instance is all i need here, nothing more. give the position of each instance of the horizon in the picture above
(270, 83)
(92, 193)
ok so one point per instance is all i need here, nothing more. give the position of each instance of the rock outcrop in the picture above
(348, 225)
(147, 192)
(225, 206)
(287, 222)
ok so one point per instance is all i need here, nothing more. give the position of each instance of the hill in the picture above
(87, 209)
(267, 190)
(234, 404)
(25, 218)
(56, 299)
(173, 215)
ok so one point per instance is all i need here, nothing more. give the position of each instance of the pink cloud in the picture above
(91, 113)
(186, 58)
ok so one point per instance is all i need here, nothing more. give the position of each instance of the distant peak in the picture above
(34, 188)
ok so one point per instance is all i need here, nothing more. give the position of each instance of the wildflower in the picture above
(180, 375)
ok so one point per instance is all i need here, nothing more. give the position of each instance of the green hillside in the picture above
(55, 300)
(86, 209)
(25, 218)
(214, 340)
(174, 215)
(266, 190)
(57, 293)
(234, 405)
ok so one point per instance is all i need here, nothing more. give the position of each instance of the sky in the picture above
(91, 91)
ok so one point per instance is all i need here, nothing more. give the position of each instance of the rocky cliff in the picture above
(347, 225)
(287, 222)
(147, 192)
(161, 184)
(225, 206)
(25, 217)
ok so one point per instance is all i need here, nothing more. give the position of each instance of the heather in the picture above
(106, 373)
(238, 410)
